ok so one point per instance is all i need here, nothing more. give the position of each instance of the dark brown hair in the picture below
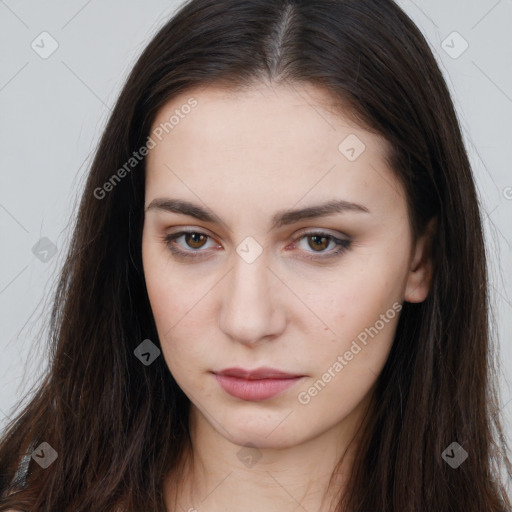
(119, 426)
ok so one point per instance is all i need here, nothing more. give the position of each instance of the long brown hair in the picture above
(119, 426)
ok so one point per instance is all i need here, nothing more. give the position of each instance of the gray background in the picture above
(53, 111)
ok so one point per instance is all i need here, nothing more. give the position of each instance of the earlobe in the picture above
(421, 268)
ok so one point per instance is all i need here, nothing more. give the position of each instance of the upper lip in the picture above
(258, 373)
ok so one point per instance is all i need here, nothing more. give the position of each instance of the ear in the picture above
(421, 266)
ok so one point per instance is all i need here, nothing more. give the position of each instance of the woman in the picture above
(266, 300)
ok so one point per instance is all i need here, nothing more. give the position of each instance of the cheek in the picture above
(364, 332)
(168, 301)
(360, 310)
(168, 292)
(356, 296)
(180, 318)
(346, 366)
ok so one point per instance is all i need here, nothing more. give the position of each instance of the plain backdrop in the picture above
(62, 66)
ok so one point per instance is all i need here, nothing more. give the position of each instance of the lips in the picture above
(257, 374)
(255, 385)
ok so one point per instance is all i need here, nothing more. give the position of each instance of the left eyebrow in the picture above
(279, 219)
(286, 217)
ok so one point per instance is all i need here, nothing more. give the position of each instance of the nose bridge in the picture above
(249, 307)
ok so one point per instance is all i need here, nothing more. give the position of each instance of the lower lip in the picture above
(254, 390)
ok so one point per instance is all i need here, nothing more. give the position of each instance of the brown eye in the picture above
(192, 244)
(195, 240)
(319, 242)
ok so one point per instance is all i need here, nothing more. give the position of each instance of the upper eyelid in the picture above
(300, 233)
(336, 238)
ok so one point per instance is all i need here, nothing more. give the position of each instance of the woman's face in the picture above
(262, 281)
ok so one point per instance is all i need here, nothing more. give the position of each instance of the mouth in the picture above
(255, 385)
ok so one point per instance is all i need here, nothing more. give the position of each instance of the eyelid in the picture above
(297, 235)
(185, 254)
(342, 243)
(327, 232)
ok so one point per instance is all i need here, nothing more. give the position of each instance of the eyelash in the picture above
(341, 245)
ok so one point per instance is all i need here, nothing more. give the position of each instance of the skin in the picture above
(247, 154)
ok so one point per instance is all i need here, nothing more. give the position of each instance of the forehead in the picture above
(285, 141)
(224, 117)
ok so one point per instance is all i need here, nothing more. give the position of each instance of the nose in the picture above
(251, 308)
